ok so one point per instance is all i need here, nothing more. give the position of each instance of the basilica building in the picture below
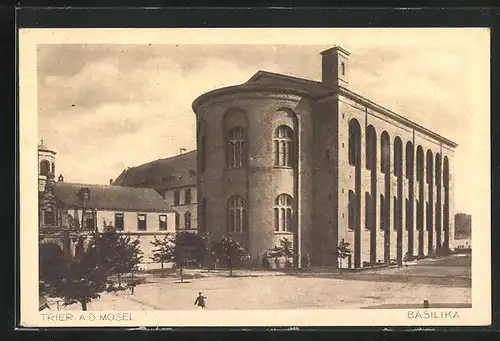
(314, 162)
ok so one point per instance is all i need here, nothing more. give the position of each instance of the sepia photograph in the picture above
(191, 177)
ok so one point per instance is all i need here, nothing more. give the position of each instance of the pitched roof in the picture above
(175, 171)
(275, 82)
(111, 197)
(265, 81)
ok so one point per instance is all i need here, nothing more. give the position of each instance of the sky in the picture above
(105, 107)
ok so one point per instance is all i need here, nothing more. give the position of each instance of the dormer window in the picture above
(84, 193)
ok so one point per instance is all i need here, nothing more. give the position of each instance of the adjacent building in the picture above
(174, 179)
(71, 210)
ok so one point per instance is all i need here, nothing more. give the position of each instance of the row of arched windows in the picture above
(236, 147)
(430, 169)
(237, 214)
(431, 173)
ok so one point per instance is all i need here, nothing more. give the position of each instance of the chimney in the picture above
(60, 178)
(182, 151)
(111, 182)
(334, 68)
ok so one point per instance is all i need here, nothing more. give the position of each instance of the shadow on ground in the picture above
(419, 306)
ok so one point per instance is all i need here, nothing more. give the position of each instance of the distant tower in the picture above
(46, 164)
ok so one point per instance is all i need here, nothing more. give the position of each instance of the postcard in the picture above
(254, 177)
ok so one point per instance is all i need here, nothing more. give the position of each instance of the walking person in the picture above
(200, 301)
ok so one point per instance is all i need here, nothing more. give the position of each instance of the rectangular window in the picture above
(187, 196)
(49, 218)
(163, 222)
(141, 222)
(89, 221)
(119, 221)
(177, 221)
(177, 198)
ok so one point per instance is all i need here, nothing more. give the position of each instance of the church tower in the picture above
(46, 165)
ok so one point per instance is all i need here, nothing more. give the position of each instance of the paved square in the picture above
(443, 282)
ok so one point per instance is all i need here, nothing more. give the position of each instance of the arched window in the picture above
(236, 147)
(409, 160)
(430, 167)
(283, 213)
(354, 143)
(371, 148)
(420, 163)
(44, 167)
(385, 148)
(351, 214)
(398, 156)
(369, 212)
(283, 146)
(187, 220)
(438, 170)
(382, 212)
(236, 213)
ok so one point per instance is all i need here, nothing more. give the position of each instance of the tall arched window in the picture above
(202, 148)
(371, 148)
(283, 213)
(236, 213)
(369, 213)
(438, 170)
(409, 160)
(398, 156)
(187, 220)
(420, 164)
(385, 155)
(446, 205)
(351, 214)
(283, 146)
(430, 167)
(354, 143)
(382, 212)
(44, 167)
(236, 148)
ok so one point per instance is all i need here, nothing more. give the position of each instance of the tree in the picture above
(122, 255)
(343, 251)
(285, 249)
(229, 251)
(182, 249)
(187, 249)
(162, 253)
(86, 276)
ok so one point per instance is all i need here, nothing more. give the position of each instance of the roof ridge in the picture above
(162, 159)
(279, 75)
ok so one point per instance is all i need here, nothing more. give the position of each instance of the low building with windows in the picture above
(317, 163)
(174, 179)
(68, 211)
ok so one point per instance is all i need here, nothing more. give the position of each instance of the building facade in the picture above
(174, 179)
(69, 211)
(314, 162)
